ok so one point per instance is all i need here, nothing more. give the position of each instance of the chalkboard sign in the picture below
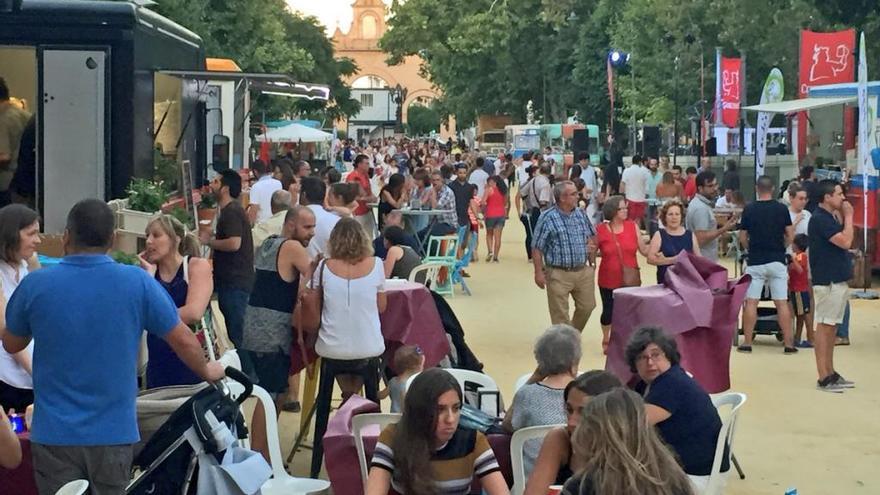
(186, 186)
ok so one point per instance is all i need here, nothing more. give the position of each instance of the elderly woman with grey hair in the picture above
(558, 354)
(675, 403)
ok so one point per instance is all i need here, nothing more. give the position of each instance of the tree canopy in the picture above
(270, 38)
(492, 56)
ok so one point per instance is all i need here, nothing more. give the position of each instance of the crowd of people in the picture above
(346, 232)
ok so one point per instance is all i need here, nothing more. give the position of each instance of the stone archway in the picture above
(370, 59)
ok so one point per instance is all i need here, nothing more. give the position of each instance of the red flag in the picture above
(731, 90)
(825, 58)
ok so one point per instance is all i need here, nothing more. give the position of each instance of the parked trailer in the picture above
(88, 70)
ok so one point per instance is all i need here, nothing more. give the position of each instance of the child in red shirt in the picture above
(799, 290)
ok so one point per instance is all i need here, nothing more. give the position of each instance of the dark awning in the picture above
(270, 84)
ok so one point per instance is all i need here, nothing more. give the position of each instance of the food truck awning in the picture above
(803, 104)
(270, 84)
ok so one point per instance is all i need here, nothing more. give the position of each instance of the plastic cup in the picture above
(554, 490)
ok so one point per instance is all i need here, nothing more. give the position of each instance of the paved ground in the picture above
(789, 434)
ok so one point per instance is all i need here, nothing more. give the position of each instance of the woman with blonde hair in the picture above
(625, 456)
(350, 339)
(172, 257)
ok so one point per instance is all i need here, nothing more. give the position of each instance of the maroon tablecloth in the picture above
(411, 318)
(340, 455)
(20, 481)
(697, 305)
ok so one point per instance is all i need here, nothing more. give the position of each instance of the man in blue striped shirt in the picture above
(563, 253)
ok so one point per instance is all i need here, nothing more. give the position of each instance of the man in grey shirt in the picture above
(700, 217)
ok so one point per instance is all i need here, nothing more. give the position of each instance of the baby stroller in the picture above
(170, 458)
(768, 319)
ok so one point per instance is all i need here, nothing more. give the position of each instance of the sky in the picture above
(329, 12)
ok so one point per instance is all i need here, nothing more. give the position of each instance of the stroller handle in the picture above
(243, 379)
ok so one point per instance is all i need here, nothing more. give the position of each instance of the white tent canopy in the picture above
(803, 104)
(294, 133)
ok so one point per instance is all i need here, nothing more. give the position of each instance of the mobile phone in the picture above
(18, 424)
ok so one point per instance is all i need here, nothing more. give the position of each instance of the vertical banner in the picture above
(611, 95)
(731, 90)
(825, 58)
(772, 93)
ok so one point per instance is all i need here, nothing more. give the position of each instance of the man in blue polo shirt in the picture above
(86, 316)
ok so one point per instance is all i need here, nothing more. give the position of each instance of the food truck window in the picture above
(220, 152)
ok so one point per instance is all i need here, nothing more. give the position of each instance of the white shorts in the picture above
(773, 274)
(830, 303)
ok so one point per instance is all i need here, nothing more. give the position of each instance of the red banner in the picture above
(825, 58)
(731, 90)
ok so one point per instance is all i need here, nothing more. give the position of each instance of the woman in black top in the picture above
(392, 197)
(682, 411)
(625, 455)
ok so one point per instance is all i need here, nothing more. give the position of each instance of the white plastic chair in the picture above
(517, 442)
(428, 271)
(485, 383)
(361, 421)
(735, 400)
(281, 482)
(75, 487)
(522, 380)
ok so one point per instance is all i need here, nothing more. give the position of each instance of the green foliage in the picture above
(422, 119)
(553, 51)
(182, 216)
(166, 170)
(125, 258)
(208, 201)
(146, 195)
(266, 36)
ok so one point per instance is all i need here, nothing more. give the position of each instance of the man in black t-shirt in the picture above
(233, 254)
(831, 268)
(766, 231)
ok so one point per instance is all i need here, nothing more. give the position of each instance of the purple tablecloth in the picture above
(20, 481)
(411, 318)
(340, 455)
(697, 305)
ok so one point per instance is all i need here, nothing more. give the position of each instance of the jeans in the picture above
(233, 303)
(843, 328)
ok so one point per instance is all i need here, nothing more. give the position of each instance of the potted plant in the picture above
(145, 200)
(207, 209)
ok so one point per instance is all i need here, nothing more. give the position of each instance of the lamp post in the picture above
(399, 96)
(616, 59)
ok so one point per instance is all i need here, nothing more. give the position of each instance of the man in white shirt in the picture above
(522, 174)
(479, 176)
(800, 217)
(312, 193)
(260, 208)
(274, 224)
(634, 186)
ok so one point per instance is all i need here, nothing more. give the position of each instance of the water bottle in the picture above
(791, 491)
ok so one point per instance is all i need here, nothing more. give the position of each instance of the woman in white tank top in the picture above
(19, 238)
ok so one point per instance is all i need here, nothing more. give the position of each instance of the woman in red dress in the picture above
(618, 240)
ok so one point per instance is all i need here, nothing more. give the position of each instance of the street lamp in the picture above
(616, 59)
(398, 97)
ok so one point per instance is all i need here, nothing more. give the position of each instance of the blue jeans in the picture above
(843, 328)
(233, 303)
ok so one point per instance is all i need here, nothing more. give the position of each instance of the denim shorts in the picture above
(494, 223)
(774, 274)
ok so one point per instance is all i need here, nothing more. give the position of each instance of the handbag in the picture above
(631, 276)
(307, 315)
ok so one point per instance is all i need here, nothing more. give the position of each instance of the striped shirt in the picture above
(455, 464)
(562, 237)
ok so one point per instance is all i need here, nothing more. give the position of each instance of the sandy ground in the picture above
(789, 434)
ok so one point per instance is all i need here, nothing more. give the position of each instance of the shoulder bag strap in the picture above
(186, 269)
(616, 243)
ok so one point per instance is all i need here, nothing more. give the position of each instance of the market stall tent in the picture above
(294, 133)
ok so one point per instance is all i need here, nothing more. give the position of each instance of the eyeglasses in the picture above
(653, 356)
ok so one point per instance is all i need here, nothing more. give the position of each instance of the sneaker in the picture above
(843, 382)
(804, 344)
(495, 259)
(744, 348)
(790, 350)
(489, 257)
(829, 384)
(841, 341)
